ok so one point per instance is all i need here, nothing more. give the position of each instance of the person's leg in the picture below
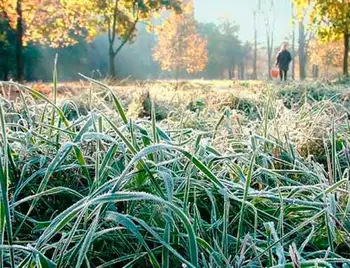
(281, 74)
(285, 75)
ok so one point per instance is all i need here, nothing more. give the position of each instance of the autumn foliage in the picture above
(47, 22)
(332, 22)
(327, 56)
(179, 46)
(118, 19)
(60, 23)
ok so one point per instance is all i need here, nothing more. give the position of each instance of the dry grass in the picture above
(214, 92)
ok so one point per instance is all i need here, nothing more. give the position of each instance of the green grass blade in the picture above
(248, 181)
(116, 101)
(4, 182)
(130, 226)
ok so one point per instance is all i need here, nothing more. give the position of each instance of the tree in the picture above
(7, 38)
(333, 22)
(119, 19)
(225, 50)
(301, 15)
(62, 23)
(302, 50)
(179, 45)
(269, 18)
(246, 56)
(231, 46)
(328, 56)
(256, 13)
(255, 59)
(293, 42)
(47, 22)
(215, 65)
(303, 12)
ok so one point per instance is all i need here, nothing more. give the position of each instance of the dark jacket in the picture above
(283, 59)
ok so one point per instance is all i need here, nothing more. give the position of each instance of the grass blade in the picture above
(5, 217)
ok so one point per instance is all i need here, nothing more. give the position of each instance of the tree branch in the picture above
(109, 32)
(125, 40)
(132, 29)
(114, 20)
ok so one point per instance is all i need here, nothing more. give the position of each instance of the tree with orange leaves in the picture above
(59, 23)
(333, 22)
(179, 45)
(328, 56)
(119, 18)
(46, 22)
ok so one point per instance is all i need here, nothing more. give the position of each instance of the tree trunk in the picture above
(255, 58)
(19, 43)
(269, 55)
(302, 52)
(346, 55)
(6, 72)
(111, 66)
(242, 71)
(111, 38)
(293, 54)
(269, 35)
(229, 71)
(269, 58)
(5, 66)
(293, 45)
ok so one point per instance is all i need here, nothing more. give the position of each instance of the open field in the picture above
(153, 174)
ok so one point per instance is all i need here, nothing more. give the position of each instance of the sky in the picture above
(241, 11)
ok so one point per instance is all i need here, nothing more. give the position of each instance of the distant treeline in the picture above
(89, 58)
(228, 57)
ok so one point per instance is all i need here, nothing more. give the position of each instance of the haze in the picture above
(241, 12)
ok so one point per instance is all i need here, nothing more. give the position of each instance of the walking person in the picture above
(283, 60)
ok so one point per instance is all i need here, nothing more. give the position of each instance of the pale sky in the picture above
(241, 11)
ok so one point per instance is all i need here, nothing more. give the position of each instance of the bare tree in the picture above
(293, 42)
(269, 17)
(305, 36)
(255, 57)
(256, 14)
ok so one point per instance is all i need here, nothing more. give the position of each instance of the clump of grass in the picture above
(107, 191)
(141, 106)
(298, 93)
(136, 108)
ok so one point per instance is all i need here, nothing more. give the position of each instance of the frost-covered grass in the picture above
(243, 182)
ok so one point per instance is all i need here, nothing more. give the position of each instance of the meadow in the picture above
(164, 174)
